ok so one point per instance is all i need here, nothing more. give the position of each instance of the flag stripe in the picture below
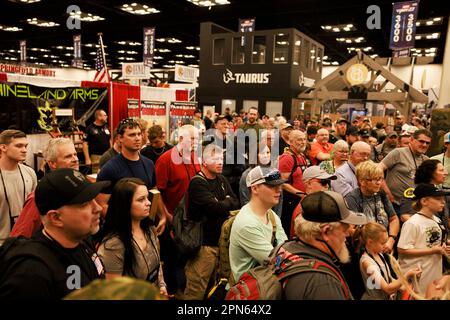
(102, 74)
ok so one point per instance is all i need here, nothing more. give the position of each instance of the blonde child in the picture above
(378, 280)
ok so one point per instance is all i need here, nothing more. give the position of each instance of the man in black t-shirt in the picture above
(210, 199)
(97, 138)
(56, 260)
(158, 144)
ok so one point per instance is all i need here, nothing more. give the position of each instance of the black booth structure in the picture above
(266, 69)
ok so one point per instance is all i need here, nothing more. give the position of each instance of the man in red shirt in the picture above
(321, 149)
(174, 170)
(291, 165)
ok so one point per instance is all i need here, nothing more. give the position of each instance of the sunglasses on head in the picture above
(127, 122)
(273, 176)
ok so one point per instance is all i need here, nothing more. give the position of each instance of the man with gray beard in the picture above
(321, 231)
(291, 165)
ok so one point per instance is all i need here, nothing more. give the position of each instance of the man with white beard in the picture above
(321, 231)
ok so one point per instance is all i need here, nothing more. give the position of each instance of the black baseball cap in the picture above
(364, 133)
(65, 186)
(423, 190)
(351, 131)
(329, 206)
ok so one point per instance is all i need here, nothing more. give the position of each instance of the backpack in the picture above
(188, 234)
(296, 165)
(266, 282)
(224, 268)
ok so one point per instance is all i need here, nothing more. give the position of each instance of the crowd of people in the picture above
(351, 195)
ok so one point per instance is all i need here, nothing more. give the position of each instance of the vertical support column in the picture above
(444, 93)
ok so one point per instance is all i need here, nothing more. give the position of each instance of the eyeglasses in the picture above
(324, 182)
(424, 142)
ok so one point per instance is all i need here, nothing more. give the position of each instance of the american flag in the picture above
(102, 74)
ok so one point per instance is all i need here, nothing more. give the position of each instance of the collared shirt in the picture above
(346, 179)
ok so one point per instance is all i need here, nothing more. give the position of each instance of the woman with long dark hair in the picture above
(129, 245)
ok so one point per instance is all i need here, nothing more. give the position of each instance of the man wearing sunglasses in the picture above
(401, 165)
(257, 229)
(315, 179)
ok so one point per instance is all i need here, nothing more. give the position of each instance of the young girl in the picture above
(422, 239)
(375, 271)
(130, 245)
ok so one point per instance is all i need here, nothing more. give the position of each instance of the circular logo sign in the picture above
(357, 74)
(128, 69)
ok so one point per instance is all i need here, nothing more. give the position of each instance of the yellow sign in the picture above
(357, 74)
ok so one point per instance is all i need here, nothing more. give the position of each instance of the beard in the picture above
(344, 255)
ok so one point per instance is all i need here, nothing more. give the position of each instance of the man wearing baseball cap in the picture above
(57, 260)
(444, 158)
(321, 230)
(315, 179)
(257, 229)
(389, 144)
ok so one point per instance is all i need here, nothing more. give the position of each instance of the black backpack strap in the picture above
(294, 157)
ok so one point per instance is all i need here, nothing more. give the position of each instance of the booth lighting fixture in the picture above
(163, 50)
(158, 58)
(373, 56)
(366, 49)
(39, 49)
(42, 23)
(209, 3)
(339, 28)
(25, 1)
(351, 40)
(193, 48)
(127, 52)
(335, 63)
(325, 58)
(169, 66)
(87, 17)
(32, 58)
(428, 36)
(129, 43)
(9, 29)
(13, 51)
(68, 54)
(138, 9)
(283, 43)
(429, 22)
(193, 65)
(325, 63)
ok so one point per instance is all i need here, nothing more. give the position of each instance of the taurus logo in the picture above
(228, 76)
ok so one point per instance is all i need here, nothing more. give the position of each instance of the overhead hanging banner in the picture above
(155, 112)
(23, 51)
(403, 27)
(149, 46)
(135, 70)
(30, 108)
(246, 25)
(185, 74)
(77, 61)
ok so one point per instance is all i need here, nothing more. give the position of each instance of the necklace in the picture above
(159, 153)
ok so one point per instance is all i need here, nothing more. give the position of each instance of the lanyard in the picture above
(6, 195)
(387, 276)
(414, 158)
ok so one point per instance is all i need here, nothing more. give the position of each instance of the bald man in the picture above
(291, 165)
(346, 178)
(321, 149)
